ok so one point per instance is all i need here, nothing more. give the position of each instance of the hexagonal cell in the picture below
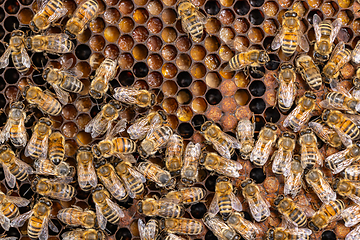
(212, 7)
(154, 43)
(169, 34)
(256, 16)
(170, 105)
(257, 88)
(184, 79)
(169, 88)
(258, 72)
(183, 61)
(199, 105)
(198, 53)
(345, 3)
(198, 70)
(242, 7)
(271, 8)
(154, 7)
(258, 175)
(198, 210)
(274, 62)
(346, 16)
(259, 123)
(185, 130)
(11, 23)
(11, 75)
(242, 97)
(155, 25)
(126, 24)
(184, 113)
(270, 27)
(169, 52)
(272, 115)
(111, 15)
(12, 7)
(329, 8)
(213, 96)
(169, 70)
(328, 235)
(184, 96)
(82, 52)
(255, 35)
(154, 79)
(124, 234)
(212, 61)
(345, 34)
(227, 34)
(140, 52)
(126, 78)
(126, 6)
(257, 105)
(140, 15)
(140, 69)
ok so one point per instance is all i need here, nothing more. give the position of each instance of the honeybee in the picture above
(245, 228)
(338, 59)
(132, 96)
(106, 210)
(112, 182)
(51, 43)
(224, 166)
(38, 144)
(340, 101)
(310, 154)
(9, 208)
(293, 177)
(283, 156)
(192, 20)
(337, 162)
(19, 55)
(133, 180)
(49, 12)
(39, 220)
(355, 55)
(77, 217)
(347, 188)
(223, 143)
(44, 100)
(263, 146)
(142, 126)
(173, 154)
(290, 35)
(83, 14)
(164, 207)
(220, 229)
(286, 92)
(259, 207)
(160, 176)
(84, 234)
(103, 120)
(54, 188)
(56, 148)
(103, 75)
(182, 226)
(301, 113)
(154, 140)
(149, 231)
(46, 167)
(187, 195)
(326, 214)
(351, 215)
(280, 233)
(315, 178)
(247, 58)
(325, 133)
(356, 82)
(325, 33)
(87, 177)
(245, 133)
(14, 128)
(224, 200)
(171, 236)
(309, 71)
(189, 172)
(352, 173)
(13, 167)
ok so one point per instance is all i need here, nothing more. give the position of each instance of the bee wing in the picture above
(100, 217)
(231, 168)
(115, 207)
(90, 126)
(292, 184)
(339, 160)
(119, 127)
(21, 219)
(18, 201)
(201, 17)
(22, 137)
(345, 139)
(53, 227)
(61, 94)
(316, 22)
(9, 177)
(235, 202)
(4, 59)
(44, 233)
(278, 40)
(4, 221)
(59, 13)
(25, 58)
(291, 116)
(340, 46)
(91, 179)
(21, 164)
(114, 185)
(221, 149)
(137, 175)
(141, 227)
(5, 133)
(214, 205)
(259, 209)
(126, 157)
(336, 25)
(289, 93)
(303, 42)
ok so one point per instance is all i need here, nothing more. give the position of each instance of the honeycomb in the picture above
(155, 53)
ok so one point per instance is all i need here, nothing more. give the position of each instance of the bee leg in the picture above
(28, 117)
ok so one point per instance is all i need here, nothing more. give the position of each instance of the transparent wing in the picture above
(141, 227)
(114, 185)
(235, 202)
(303, 42)
(18, 201)
(339, 47)
(44, 145)
(291, 116)
(201, 17)
(4, 221)
(59, 13)
(53, 227)
(260, 209)
(61, 94)
(9, 238)
(345, 139)
(316, 22)
(9, 177)
(222, 149)
(4, 59)
(126, 157)
(115, 207)
(5, 133)
(230, 168)
(90, 126)
(214, 205)
(22, 165)
(336, 28)
(339, 160)
(152, 231)
(100, 217)
(44, 234)
(22, 137)
(136, 174)
(20, 220)
(25, 58)
(119, 127)
(278, 40)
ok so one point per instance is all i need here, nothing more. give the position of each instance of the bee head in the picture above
(95, 94)
(24, 93)
(18, 105)
(45, 201)
(271, 126)
(290, 14)
(115, 104)
(153, 99)
(46, 121)
(305, 131)
(203, 158)
(46, 72)
(142, 152)
(325, 115)
(96, 151)
(99, 187)
(356, 82)
(33, 27)
(85, 148)
(336, 183)
(286, 66)
(309, 94)
(71, 35)
(222, 179)
(206, 125)
(139, 206)
(278, 199)
(263, 57)
(246, 182)
(186, 181)
(163, 115)
(3, 148)
(270, 234)
(319, 57)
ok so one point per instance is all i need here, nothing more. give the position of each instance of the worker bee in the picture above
(192, 20)
(49, 12)
(280, 233)
(347, 188)
(352, 173)
(54, 188)
(46, 167)
(51, 43)
(245, 228)
(164, 207)
(310, 154)
(133, 180)
(160, 176)
(154, 140)
(338, 59)
(286, 92)
(325, 133)
(77, 217)
(309, 71)
(39, 220)
(301, 113)
(351, 215)
(344, 126)
(182, 226)
(283, 156)
(337, 162)
(187, 195)
(189, 172)
(325, 33)
(245, 133)
(19, 55)
(132, 96)
(106, 210)
(290, 36)
(223, 143)
(326, 214)
(56, 148)
(224, 200)
(341, 101)
(44, 100)
(263, 146)
(293, 177)
(112, 182)
(247, 58)
(82, 16)
(220, 229)
(355, 55)
(14, 128)
(224, 166)
(173, 154)
(103, 120)
(315, 178)
(142, 126)
(84, 234)
(149, 231)
(38, 144)
(103, 75)
(13, 167)
(259, 207)
(87, 177)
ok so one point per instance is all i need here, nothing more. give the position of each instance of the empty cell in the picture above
(213, 96)
(140, 70)
(212, 7)
(82, 52)
(126, 78)
(257, 88)
(11, 75)
(185, 130)
(257, 106)
(198, 210)
(272, 115)
(328, 235)
(258, 175)
(11, 23)
(184, 79)
(256, 16)
(242, 7)
(39, 60)
(12, 7)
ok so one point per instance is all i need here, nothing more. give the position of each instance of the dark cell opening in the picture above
(26, 2)
(95, 110)
(123, 234)
(257, 72)
(210, 236)
(114, 83)
(256, 3)
(197, 121)
(39, 60)
(80, 194)
(242, 7)
(126, 78)
(13, 232)
(198, 210)
(267, 43)
(259, 123)
(184, 79)
(111, 229)
(25, 190)
(328, 235)
(272, 115)
(11, 23)
(210, 183)
(2, 14)
(185, 130)
(2, 32)
(274, 62)
(11, 75)
(212, 7)
(83, 52)
(37, 77)
(256, 17)
(311, 15)
(2, 84)
(140, 70)
(12, 7)
(258, 175)
(257, 88)
(213, 96)
(257, 106)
